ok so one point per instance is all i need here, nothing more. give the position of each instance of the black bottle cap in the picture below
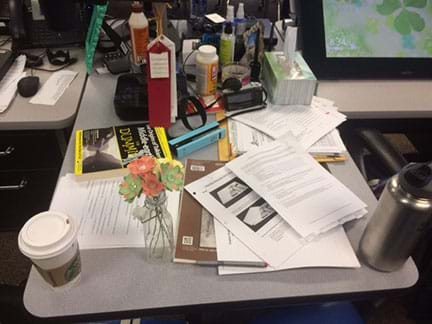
(228, 28)
(416, 179)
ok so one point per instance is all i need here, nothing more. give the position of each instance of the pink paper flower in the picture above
(151, 185)
(142, 166)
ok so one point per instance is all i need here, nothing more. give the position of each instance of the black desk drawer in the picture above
(29, 150)
(24, 194)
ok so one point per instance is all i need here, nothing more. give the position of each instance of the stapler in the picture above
(196, 139)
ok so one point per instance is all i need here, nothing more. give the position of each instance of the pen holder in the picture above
(288, 85)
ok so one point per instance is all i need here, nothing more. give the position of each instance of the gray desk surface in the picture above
(380, 99)
(120, 280)
(24, 115)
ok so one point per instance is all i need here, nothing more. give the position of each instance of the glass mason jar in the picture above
(158, 227)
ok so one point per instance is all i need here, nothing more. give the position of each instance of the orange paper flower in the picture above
(142, 166)
(151, 185)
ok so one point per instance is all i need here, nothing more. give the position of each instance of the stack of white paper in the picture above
(244, 138)
(105, 219)
(8, 85)
(277, 204)
(314, 127)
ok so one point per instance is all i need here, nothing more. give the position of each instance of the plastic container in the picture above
(240, 20)
(230, 14)
(49, 239)
(139, 28)
(207, 62)
(226, 49)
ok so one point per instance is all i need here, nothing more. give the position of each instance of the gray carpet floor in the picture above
(14, 267)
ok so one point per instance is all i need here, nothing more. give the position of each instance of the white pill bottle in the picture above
(207, 63)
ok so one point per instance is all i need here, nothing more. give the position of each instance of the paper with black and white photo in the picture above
(308, 197)
(331, 249)
(249, 217)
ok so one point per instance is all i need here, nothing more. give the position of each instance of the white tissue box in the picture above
(287, 86)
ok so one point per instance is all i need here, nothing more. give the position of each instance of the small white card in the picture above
(215, 18)
(159, 65)
(54, 88)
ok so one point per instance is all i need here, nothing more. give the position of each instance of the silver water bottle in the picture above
(403, 214)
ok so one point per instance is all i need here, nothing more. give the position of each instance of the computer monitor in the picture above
(54, 23)
(368, 38)
(59, 14)
(4, 11)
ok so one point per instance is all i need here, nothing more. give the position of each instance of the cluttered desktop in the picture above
(200, 153)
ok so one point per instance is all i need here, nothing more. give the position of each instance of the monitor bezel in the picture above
(311, 21)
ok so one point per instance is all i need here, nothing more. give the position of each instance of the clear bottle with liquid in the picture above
(240, 20)
(139, 28)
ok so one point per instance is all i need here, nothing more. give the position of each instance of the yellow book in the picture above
(106, 152)
(163, 139)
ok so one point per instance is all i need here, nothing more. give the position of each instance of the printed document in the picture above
(8, 85)
(249, 217)
(308, 197)
(244, 138)
(8, 93)
(307, 123)
(331, 249)
(54, 88)
(105, 219)
(329, 144)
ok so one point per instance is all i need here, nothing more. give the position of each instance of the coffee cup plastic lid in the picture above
(207, 50)
(47, 235)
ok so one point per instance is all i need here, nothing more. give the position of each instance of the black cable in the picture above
(71, 62)
(205, 108)
(184, 62)
(241, 112)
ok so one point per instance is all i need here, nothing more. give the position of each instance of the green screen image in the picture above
(378, 28)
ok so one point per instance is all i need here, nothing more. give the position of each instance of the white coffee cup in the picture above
(49, 239)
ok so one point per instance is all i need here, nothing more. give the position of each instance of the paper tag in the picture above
(173, 87)
(54, 88)
(215, 18)
(197, 168)
(159, 65)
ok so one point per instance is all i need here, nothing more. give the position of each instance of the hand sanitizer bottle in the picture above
(240, 20)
